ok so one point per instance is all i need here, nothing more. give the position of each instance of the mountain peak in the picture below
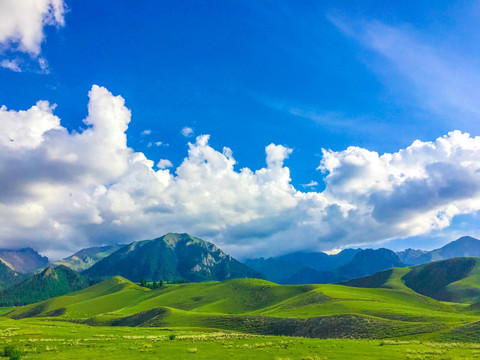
(23, 260)
(370, 261)
(172, 256)
(49, 272)
(464, 239)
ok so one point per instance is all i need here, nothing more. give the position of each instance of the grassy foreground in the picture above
(47, 339)
(242, 318)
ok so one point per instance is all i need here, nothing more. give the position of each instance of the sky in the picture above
(265, 127)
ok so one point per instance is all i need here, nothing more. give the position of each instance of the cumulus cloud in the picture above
(187, 131)
(21, 28)
(146, 132)
(164, 164)
(62, 191)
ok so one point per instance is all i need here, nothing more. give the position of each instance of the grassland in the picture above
(47, 339)
(245, 318)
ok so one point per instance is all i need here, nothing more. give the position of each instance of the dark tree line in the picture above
(153, 285)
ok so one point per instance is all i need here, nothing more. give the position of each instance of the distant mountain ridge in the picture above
(170, 257)
(456, 279)
(370, 261)
(320, 268)
(23, 260)
(298, 267)
(347, 264)
(86, 258)
(462, 247)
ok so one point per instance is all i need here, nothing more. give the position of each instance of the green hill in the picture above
(456, 280)
(49, 283)
(258, 307)
(170, 257)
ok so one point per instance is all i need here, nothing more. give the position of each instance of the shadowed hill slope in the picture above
(456, 279)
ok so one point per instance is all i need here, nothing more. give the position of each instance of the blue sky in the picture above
(303, 75)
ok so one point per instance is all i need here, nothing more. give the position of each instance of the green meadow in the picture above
(244, 318)
(47, 339)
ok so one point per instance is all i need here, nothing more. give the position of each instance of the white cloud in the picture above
(311, 184)
(187, 131)
(164, 164)
(21, 28)
(23, 21)
(61, 191)
(11, 65)
(146, 132)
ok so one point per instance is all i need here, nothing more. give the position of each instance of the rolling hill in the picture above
(49, 283)
(170, 257)
(456, 280)
(258, 307)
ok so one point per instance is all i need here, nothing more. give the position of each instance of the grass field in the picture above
(238, 318)
(46, 339)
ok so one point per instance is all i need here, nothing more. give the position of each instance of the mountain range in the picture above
(182, 257)
(464, 246)
(321, 268)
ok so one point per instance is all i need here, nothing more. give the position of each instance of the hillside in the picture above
(170, 257)
(456, 279)
(23, 260)
(256, 306)
(8, 276)
(49, 283)
(88, 257)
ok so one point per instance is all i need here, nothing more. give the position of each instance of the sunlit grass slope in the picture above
(259, 307)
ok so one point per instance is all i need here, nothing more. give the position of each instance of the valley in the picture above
(426, 311)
